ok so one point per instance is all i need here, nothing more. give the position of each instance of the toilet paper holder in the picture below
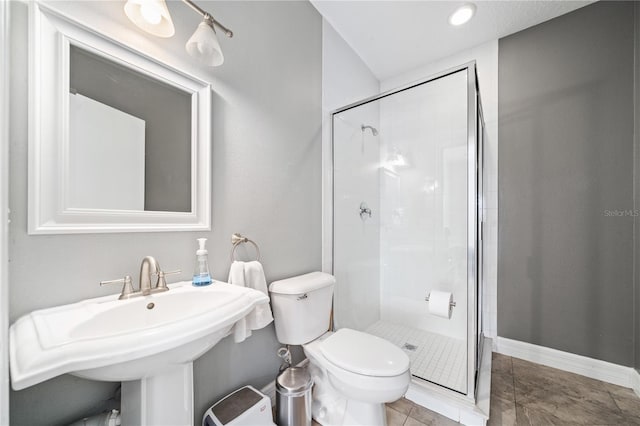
(426, 299)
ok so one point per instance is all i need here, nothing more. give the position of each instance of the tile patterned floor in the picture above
(523, 394)
(434, 357)
(405, 413)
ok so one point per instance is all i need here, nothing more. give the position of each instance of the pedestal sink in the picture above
(149, 343)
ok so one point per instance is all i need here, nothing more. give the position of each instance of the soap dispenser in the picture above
(201, 275)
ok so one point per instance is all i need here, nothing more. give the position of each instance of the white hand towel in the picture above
(236, 274)
(254, 278)
(250, 274)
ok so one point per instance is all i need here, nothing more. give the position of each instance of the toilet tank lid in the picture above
(302, 283)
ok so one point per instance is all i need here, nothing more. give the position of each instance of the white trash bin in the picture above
(245, 407)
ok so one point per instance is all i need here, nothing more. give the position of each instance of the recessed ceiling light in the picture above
(462, 15)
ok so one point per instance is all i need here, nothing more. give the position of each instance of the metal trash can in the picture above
(293, 397)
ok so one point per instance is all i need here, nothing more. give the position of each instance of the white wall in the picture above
(486, 57)
(4, 216)
(356, 257)
(266, 184)
(346, 79)
(423, 237)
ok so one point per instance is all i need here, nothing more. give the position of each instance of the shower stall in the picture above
(407, 224)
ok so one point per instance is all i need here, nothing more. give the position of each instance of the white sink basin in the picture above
(122, 340)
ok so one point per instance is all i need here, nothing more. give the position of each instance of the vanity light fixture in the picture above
(462, 15)
(153, 17)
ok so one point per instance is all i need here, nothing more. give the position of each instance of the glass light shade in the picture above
(151, 16)
(204, 46)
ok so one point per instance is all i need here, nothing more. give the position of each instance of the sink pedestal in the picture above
(165, 399)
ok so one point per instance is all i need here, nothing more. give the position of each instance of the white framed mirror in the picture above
(118, 142)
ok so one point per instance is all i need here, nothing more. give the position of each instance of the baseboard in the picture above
(589, 367)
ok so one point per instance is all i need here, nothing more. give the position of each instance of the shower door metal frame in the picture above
(481, 210)
(473, 200)
(472, 228)
(4, 209)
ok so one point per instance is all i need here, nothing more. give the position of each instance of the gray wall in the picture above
(636, 176)
(266, 184)
(565, 275)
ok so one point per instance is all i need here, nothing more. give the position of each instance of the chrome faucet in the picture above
(149, 267)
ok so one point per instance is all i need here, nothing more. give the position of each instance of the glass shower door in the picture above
(401, 168)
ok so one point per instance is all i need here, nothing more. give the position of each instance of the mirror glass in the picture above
(129, 138)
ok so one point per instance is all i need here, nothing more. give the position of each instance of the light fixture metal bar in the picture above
(207, 16)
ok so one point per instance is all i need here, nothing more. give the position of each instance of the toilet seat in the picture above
(364, 354)
(378, 387)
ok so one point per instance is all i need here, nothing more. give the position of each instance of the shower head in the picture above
(374, 131)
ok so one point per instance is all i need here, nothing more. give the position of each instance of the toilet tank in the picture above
(302, 307)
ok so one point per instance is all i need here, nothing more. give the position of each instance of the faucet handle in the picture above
(162, 284)
(127, 288)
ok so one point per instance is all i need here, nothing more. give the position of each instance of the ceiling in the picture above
(395, 36)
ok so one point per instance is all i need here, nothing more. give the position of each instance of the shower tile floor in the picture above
(434, 357)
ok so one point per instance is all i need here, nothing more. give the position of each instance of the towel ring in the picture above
(236, 240)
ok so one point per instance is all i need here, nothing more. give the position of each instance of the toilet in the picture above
(354, 373)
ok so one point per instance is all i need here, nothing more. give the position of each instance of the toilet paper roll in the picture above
(440, 303)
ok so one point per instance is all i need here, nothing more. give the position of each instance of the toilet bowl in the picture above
(354, 373)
